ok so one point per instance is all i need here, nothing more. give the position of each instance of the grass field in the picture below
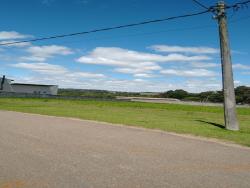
(195, 120)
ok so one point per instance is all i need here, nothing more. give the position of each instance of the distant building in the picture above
(5, 85)
(8, 86)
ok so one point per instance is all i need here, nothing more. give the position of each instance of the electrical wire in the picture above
(200, 4)
(142, 34)
(106, 29)
(236, 5)
(208, 9)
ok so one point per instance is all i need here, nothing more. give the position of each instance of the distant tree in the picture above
(242, 94)
(217, 97)
(204, 96)
(177, 94)
(167, 94)
(211, 96)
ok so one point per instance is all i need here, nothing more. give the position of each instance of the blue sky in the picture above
(179, 54)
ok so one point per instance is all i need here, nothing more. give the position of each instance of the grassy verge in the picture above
(195, 120)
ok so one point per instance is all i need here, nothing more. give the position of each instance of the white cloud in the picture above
(189, 73)
(15, 45)
(246, 73)
(140, 65)
(132, 62)
(181, 49)
(42, 53)
(143, 75)
(44, 68)
(143, 69)
(33, 58)
(127, 70)
(203, 85)
(241, 67)
(134, 85)
(10, 35)
(237, 82)
(127, 58)
(56, 71)
(59, 75)
(85, 75)
(138, 72)
(140, 85)
(65, 78)
(204, 65)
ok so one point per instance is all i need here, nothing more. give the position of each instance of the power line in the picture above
(106, 29)
(200, 4)
(238, 5)
(208, 9)
(141, 34)
(235, 6)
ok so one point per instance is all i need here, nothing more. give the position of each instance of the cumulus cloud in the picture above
(42, 53)
(85, 75)
(181, 49)
(133, 62)
(140, 85)
(138, 72)
(10, 35)
(241, 67)
(246, 73)
(204, 65)
(141, 66)
(65, 78)
(189, 73)
(143, 75)
(15, 45)
(133, 85)
(123, 57)
(44, 68)
(237, 82)
(203, 85)
(143, 69)
(56, 70)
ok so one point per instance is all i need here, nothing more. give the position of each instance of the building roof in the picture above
(32, 84)
(5, 79)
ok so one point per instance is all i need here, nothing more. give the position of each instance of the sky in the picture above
(177, 54)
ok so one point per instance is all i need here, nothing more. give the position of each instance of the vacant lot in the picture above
(195, 120)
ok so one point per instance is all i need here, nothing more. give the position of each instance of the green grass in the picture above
(195, 120)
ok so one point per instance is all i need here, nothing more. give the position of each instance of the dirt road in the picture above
(40, 151)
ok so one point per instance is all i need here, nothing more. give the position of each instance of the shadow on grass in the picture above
(212, 123)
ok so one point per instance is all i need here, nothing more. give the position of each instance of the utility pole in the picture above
(230, 117)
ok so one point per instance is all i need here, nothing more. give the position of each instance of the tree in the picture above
(177, 94)
(242, 94)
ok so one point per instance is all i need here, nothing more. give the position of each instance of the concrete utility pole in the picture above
(230, 116)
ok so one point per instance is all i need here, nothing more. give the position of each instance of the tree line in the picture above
(242, 94)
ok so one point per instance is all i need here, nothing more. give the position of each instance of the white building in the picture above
(7, 86)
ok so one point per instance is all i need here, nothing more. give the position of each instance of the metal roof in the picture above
(32, 84)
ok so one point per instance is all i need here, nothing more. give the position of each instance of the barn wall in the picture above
(53, 90)
(35, 89)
